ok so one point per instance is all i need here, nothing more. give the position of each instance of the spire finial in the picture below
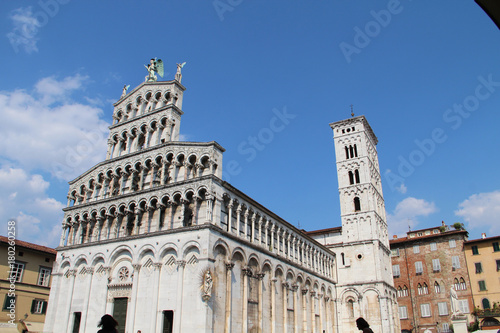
(352, 111)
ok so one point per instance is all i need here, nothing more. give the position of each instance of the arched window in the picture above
(400, 292)
(437, 287)
(351, 177)
(350, 308)
(357, 204)
(346, 153)
(405, 291)
(351, 151)
(486, 303)
(425, 289)
(456, 284)
(419, 289)
(356, 175)
(355, 151)
(463, 286)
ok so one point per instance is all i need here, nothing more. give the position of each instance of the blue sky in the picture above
(425, 74)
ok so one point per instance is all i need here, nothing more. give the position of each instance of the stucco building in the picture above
(155, 237)
(24, 284)
(426, 264)
(483, 259)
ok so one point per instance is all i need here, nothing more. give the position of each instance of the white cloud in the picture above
(42, 134)
(407, 213)
(50, 132)
(481, 211)
(23, 198)
(24, 31)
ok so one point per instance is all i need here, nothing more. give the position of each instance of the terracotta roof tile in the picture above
(30, 246)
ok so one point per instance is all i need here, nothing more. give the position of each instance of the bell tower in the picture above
(361, 199)
(366, 286)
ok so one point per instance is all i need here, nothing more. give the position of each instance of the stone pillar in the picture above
(273, 227)
(230, 216)
(180, 284)
(133, 296)
(158, 222)
(313, 314)
(210, 206)
(273, 305)
(284, 293)
(141, 178)
(304, 310)
(247, 272)
(156, 287)
(63, 234)
(246, 225)
(130, 141)
(320, 311)
(89, 272)
(69, 291)
(164, 168)
(295, 307)
(261, 224)
(252, 234)
(238, 221)
(229, 268)
(260, 277)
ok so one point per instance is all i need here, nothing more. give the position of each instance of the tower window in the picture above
(357, 204)
(351, 178)
(356, 175)
(346, 153)
(355, 151)
(351, 151)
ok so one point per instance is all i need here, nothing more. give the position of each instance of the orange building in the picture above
(483, 260)
(426, 265)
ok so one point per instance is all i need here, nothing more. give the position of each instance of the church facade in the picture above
(155, 237)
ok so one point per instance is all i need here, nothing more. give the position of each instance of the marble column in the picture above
(229, 268)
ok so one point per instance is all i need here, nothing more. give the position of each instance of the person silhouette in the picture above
(363, 325)
(107, 324)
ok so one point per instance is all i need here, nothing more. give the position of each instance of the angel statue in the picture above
(178, 75)
(155, 65)
(124, 92)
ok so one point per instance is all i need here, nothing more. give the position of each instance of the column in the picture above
(67, 313)
(261, 224)
(164, 168)
(89, 272)
(130, 140)
(284, 293)
(273, 304)
(260, 277)
(273, 227)
(180, 283)
(133, 296)
(230, 216)
(320, 311)
(158, 222)
(238, 216)
(313, 317)
(158, 135)
(141, 177)
(63, 234)
(246, 225)
(229, 268)
(210, 206)
(252, 234)
(247, 272)
(295, 307)
(327, 314)
(304, 309)
(156, 287)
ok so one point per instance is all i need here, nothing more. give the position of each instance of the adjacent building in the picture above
(426, 264)
(24, 284)
(483, 258)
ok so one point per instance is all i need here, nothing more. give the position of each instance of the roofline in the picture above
(27, 245)
(479, 240)
(415, 239)
(324, 231)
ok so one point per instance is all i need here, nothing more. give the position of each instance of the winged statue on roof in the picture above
(155, 66)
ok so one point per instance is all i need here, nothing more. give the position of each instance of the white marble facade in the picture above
(153, 236)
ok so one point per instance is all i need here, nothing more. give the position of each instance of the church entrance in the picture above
(120, 312)
(168, 321)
